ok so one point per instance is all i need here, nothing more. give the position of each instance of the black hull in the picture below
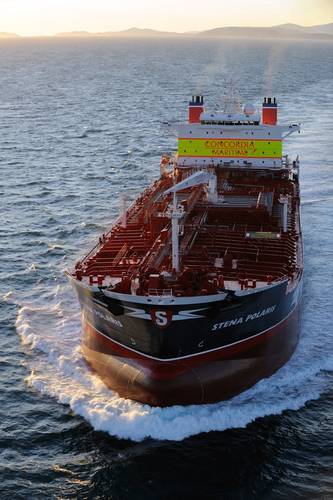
(211, 377)
(199, 352)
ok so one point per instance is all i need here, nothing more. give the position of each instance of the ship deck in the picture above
(236, 242)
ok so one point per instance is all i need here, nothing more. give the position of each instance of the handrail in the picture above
(259, 199)
(120, 255)
(152, 253)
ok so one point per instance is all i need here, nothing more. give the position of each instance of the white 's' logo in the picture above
(162, 319)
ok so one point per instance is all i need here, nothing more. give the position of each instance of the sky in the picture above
(47, 17)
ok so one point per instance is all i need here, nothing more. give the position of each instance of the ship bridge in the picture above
(239, 139)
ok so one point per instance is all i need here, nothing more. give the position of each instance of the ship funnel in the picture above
(269, 111)
(195, 108)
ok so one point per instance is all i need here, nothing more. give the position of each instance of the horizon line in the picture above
(3, 34)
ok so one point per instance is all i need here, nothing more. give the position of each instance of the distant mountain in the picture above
(322, 28)
(289, 27)
(325, 29)
(288, 30)
(74, 33)
(141, 32)
(8, 35)
(131, 32)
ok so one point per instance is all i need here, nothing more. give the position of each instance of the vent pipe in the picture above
(195, 108)
(269, 111)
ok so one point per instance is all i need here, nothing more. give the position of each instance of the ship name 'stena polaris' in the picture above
(242, 319)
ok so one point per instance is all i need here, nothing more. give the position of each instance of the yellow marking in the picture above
(239, 148)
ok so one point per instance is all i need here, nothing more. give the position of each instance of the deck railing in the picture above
(120, 255)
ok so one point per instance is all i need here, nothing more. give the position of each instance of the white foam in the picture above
(8, 297)
(52, 330)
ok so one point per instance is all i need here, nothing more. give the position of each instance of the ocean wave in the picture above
(316, 200)
(89, 131)
(54, 246)
(8, 297)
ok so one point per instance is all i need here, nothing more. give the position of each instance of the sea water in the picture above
(83, 121)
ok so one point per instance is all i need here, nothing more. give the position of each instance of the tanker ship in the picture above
(193, 295)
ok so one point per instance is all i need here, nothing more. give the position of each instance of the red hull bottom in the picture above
(206, 378)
